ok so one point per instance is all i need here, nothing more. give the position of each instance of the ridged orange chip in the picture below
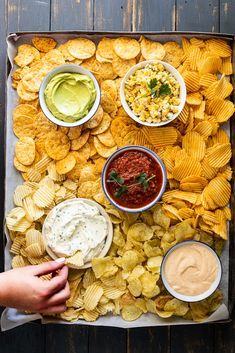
(184, 115)
(222, 109)
(207, 79)
(188, 166)
(224, 88)
(24, 125)
(194, 98)
(191, 79)
(226, 67)
(207, 171)
(219, 47)
(210, 64)
(194, 57)
(219, 155)
(204, 128)
(25, 150)
(219, 189)
(194, 145)
(160, 136)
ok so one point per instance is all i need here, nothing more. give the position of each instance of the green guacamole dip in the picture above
(70, 96)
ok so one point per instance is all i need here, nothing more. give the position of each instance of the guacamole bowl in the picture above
(69, 95)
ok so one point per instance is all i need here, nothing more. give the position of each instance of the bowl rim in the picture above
(73, 69)
(169, 68)
(199, 297)
(108, 239)
(159, 161)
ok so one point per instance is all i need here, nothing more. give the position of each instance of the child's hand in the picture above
(21, 288)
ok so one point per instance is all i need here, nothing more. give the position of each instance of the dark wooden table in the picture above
(129, 15)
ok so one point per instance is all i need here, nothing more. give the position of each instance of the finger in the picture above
(58, 282)
(54, 309)
(48, 267)
(60, 297)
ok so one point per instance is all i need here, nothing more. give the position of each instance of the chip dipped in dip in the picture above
(69, 96)
(76, 225)
(191, 271)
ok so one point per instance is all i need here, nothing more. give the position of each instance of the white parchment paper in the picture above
(11, 317)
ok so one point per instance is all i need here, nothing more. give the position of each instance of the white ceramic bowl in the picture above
(159, 162)
(188, 298)
(109, 237)
(169, 68)
(75, 69)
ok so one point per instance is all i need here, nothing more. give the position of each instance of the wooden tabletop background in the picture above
(108, 15)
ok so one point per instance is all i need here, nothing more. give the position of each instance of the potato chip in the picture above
(44, 44)
(96, 119)
(178, 307)
(126, 48)
(131, 312)
(194, 145)
(103, 150)
(219, 47)
(81, 48)
(25, 150)
(66, 164)
(140, 232)
(44, 196)
(207, 79)
(43, 125)
(120, 66)
(188, 166)
(209, 64)
(222, 109)
(24, 126)
(57, 145)
(79, 142)
(174, 54)
(75, 261)
(33, 78)
(191, 79)
(160, 136)
(26, 54)
(103, 126)
(24, 94)
(74, 132)
(219, 155)
(152, 50)
(103, 266)
(25, 109)
(105, 48)
(20, 193)
(226, 67)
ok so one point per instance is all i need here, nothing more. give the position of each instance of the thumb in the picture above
(48, 267)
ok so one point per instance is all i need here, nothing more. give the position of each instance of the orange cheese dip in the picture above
(191, 269)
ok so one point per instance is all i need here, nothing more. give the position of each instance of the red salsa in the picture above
(133, 179)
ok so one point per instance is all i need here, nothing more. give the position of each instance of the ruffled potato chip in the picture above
(131, 312)
(120, 66)
(103, 126)
(96, 119)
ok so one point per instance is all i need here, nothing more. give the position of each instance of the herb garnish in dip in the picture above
(70, 96)
(133, 179)
(153, 93)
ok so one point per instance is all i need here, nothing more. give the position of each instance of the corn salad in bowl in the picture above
(153, 93)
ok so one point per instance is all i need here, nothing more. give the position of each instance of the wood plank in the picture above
(3, 32)
(113, 15)
(152, 15)
(227, 11)
(148, 340)
(66, 339)
(71, 15)
(107, 340)
(224, 341)
(192, 338)
(28, 338)
(197, 15)
(25, 15)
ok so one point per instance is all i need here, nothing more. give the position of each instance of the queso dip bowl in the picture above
(191, 271)
(107, 240)
(68, 68)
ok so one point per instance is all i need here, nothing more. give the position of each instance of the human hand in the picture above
(22, 288)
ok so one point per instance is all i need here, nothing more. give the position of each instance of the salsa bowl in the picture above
(134, 178)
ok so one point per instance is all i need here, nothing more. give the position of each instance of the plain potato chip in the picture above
(188, 166)
(25, 150)
(126, 48)
(103, 126)
(44, 44)
(120, 66)
(57, 145)
(96, 119)
(152, 50)
(66, 164)
(106, 138)
(102, 149)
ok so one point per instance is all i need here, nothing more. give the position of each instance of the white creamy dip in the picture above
(76, 226)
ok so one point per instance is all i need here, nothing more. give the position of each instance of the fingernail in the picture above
(60, 260)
